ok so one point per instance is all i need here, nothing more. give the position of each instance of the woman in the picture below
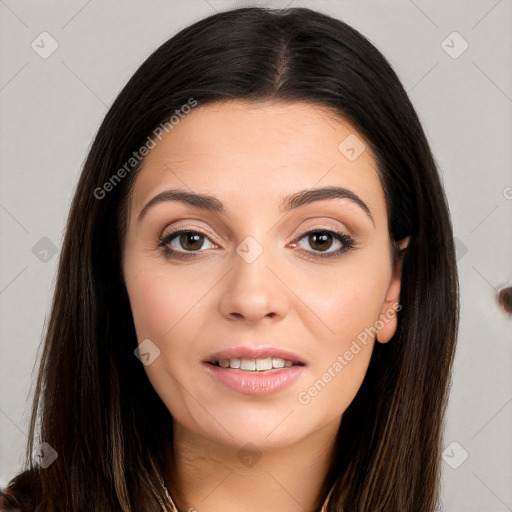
(257, 301)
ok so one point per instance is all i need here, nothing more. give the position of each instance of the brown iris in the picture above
(320, 240)
(191, 241)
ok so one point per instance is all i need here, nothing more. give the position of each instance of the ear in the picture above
(388, 314)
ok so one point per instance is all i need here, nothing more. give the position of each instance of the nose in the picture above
(252, 292)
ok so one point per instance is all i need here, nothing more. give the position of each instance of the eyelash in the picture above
(347, 241)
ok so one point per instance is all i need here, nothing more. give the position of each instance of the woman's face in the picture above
(264, 272)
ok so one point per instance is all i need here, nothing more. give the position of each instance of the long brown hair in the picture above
(94, 404)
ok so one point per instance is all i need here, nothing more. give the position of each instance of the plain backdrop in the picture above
(64, 62)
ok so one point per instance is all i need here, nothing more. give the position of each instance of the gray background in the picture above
(52, 107)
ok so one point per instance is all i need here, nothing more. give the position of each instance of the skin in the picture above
(249, 156)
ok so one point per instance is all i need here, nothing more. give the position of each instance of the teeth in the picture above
(247, 364)
(252, 364)
(264, 364)
(277, 362)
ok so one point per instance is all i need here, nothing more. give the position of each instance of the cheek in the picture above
(345, 302)
(348, 304)
(150, 303)
(161, 301)
(349, 307)
(163, 310)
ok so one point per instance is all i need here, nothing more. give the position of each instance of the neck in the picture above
(205, 476)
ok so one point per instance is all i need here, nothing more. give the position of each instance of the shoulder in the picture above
(21, 494)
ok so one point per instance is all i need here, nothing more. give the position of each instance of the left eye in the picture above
(324, 241)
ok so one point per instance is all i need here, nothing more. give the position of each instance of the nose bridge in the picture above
(252, 291)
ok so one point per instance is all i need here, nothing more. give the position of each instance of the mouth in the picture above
(255, 371)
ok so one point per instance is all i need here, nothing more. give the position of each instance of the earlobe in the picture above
(387, 322)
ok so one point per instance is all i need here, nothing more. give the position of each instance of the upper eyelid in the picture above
(174, 232)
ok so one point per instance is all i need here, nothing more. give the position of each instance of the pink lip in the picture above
(255, 383)
(254, 352)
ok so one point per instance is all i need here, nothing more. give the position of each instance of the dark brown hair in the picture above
(93, 402)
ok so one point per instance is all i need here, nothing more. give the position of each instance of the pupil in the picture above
(187, 241)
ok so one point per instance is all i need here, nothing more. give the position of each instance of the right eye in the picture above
(180, 242)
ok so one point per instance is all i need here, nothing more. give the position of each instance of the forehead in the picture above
(248, 153)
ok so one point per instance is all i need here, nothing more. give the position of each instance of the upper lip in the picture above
(249, 352)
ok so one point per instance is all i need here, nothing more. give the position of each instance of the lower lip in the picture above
(255, 383)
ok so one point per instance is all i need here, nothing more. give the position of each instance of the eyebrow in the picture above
(289, 202)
